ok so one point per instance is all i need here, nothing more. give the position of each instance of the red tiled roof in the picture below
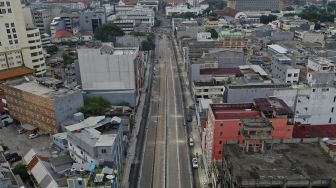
(227, 11)
(314, 131)
(63, 34)
(216, 71)
(32, 163)
(15, 72)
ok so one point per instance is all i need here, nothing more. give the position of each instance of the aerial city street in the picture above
(167, 93)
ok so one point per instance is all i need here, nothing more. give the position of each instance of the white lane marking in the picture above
(175, 109)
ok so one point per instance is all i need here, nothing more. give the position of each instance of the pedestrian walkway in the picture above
(133, 138)
(195, 131)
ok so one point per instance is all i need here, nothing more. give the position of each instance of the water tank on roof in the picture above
(79, 116)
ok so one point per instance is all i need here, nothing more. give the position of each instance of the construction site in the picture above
(278, 166)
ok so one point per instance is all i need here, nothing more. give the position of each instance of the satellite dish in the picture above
(26, 78)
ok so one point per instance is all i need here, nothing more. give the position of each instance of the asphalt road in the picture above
(166, 161)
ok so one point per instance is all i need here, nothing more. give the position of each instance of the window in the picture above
(15, 36)
(221, 124)
(295, 74)
(289, 75)
(219, 152)
(314, 90)
(3, 11)
(325, 89)
(103, 150)
(12, 24)
(9, 10)
(13, 30)
(10, 42)
(335, 99)
(220, 133)
(9, 36)
(8, 3)
(220, 142)
(306, 108)
(332, 109)
(7, 25)
(329, 120)
(16, 41)
(2, 4)
(8, 31)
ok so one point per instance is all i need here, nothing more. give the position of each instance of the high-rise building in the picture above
(20, 42)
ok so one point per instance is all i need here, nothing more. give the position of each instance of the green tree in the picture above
(67, 59)
(52, 49)
(149, 43)
(21, 170)
(108, 32)
(157, 22)
(267, 19)
(94, 106)
(214, 33)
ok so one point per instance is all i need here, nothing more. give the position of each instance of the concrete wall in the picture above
(87, 18)
(116, 97)
(66, 106)
(242, 95)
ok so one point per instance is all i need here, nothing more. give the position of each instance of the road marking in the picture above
(175, 109)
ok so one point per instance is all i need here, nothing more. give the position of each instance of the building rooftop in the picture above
(256, 123)
(314, 131)
(15, 73)
(229, 33)
(278, 48)
(234, 111)
(283, 161)
(221, 71)
(272, 107)
(45, 87)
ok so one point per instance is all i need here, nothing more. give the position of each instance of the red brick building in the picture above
(248, 124)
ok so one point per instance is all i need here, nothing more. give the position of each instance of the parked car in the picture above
(21, 131)
(194, 162)
(15, 159)
(9, 156)
(6, 120)
(191, 142)
(34, 135)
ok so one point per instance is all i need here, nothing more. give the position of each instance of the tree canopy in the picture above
(108, 32)
(149, 43)
(319, 14)
(267, 19)
(94, 106)
(214, 33)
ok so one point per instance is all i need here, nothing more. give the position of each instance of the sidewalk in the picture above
(133, 138)
(195, 131)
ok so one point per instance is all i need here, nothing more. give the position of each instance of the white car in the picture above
(191, 142)
(194, 162)
(34, 135)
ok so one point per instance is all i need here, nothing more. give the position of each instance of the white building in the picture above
(113, 73)
(135, 16)
(97, 140)
(20, 44)
(57, 24)
(182, 8)
(204, 36)
(323, 71)
(283, 70)
(307, 36)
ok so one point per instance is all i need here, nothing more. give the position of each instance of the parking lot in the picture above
(20, 143)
